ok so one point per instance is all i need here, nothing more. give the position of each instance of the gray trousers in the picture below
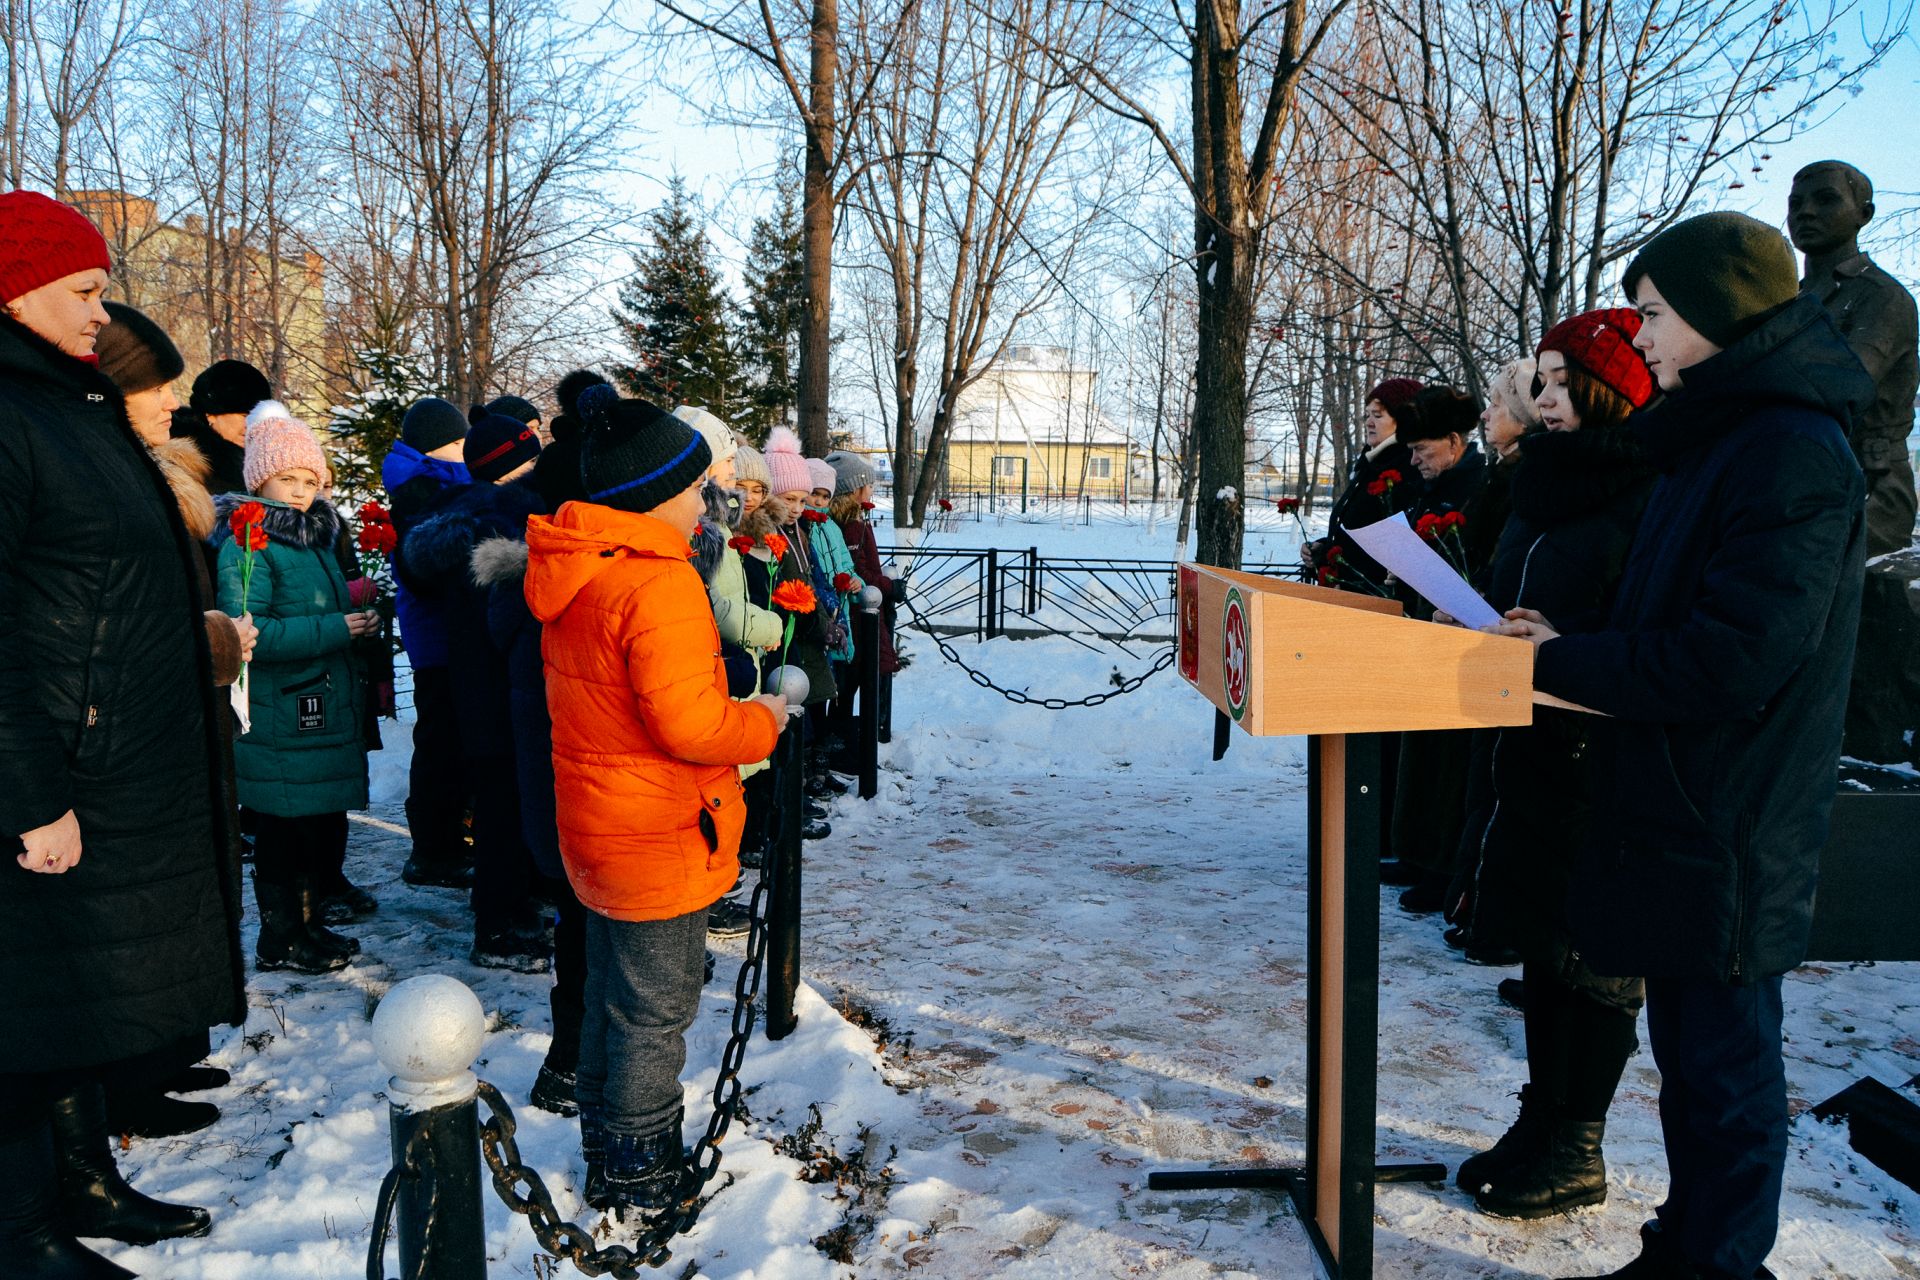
(643, 988)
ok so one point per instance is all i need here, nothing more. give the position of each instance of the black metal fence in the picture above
(992, 591)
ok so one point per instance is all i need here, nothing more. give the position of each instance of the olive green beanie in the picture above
(1721, 272)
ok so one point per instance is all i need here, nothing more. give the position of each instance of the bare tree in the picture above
(975, 192)
(479, 125)
(1231, 187)
(1533, 149)
(769, 39)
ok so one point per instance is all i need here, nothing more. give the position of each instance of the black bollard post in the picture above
(993, 592)
(883, 704)
(866, 652)
(783, 881)
(426, 1032)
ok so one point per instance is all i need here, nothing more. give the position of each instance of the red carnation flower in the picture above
(374, 513)
(1391, 477)
(776, 543)
(1286, 506)
(245, 514)
(843, 583)
(1376, 487)
(1327, 575)
(1336, 552)
(256, 538)
(1452, 520)
(866, 506)
(740, 542)
(812, 516)
(1427, 526)
(945, 505)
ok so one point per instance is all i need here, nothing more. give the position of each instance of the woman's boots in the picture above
(291, 936)
(34, 1243)
(93, 1199)
(1516, 1145)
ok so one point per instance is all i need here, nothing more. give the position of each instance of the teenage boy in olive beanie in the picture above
(1723, 674)
(641, 721)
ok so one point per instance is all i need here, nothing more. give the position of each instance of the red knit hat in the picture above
(1601, 342)
(1395, 394)
(42, 240)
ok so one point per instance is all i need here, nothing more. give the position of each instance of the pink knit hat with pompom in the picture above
(784, 463)
(276, 444)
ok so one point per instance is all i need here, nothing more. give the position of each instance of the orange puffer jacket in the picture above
(646, 742)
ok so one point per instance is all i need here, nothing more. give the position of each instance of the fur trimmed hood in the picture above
(185, 470)
(499, 561)
(315, 529)
(772, 516)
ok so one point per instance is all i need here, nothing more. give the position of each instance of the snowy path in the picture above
(1085, 942)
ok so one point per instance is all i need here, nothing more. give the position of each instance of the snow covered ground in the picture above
(1059, 950)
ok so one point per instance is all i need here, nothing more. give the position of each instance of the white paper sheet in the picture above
(237, 699)
(1408, 557)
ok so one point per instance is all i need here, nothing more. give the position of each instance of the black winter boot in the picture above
(33, 1243)
(645, 1173)
(1521, 1142)
(1568, 1172)
(284, 942)
(312, 915)
(149, 1113)
(94, 1200)
(1658, 1260)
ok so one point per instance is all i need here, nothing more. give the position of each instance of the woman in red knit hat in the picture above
(112, 915)
(1578, 493)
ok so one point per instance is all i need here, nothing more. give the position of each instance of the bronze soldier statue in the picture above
(1830, 203)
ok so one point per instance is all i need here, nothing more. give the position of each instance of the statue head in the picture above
(1831, 200)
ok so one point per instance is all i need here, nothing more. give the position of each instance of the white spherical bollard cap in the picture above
(427, 1032)
(870, 599)
(791, 683)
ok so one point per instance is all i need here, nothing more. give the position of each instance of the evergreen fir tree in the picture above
(673, 314)
(769, 341)
(363, 430)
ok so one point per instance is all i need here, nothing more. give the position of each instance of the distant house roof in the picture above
(1034, 395)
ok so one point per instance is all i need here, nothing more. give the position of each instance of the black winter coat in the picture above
(1577, 499)
(435, 562)
(107, 708)
(1356, 508)
(500, 569)
(1725, 664)
(1461, 487)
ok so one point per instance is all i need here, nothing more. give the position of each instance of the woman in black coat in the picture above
(1577, 497)
(113, 922)
(1430, 790)
(1380, 482)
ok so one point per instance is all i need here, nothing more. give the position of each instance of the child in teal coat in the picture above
(302, 762)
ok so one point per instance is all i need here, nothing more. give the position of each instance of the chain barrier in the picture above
(573, 1242)
(416, 1163)
(1020, 696)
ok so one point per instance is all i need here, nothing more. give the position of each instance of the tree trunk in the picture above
(816, 233)
(1223, 262)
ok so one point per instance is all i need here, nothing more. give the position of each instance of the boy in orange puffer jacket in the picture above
(646, 749)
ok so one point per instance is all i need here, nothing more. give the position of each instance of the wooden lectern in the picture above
(1281, 657)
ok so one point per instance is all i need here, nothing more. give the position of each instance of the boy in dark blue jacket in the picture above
(424, 462)
(1723, 673)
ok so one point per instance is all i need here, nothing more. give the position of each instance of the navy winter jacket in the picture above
(435, 562)
(500, 569)
(413, 481)
(1725, 664)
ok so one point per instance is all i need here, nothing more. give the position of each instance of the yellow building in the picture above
(1030, 426)
(274, 311)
